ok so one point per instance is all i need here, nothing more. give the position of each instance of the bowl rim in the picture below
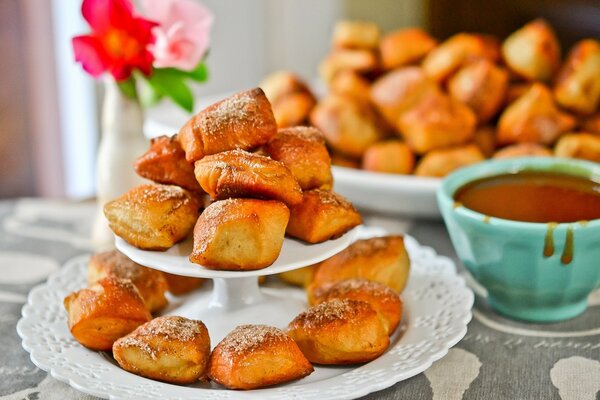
(459, 178)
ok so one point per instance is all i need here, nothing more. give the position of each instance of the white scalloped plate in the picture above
(294, 254)
(437, 310)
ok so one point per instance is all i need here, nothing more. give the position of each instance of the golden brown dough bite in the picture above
(392, 156)
(255, 356)
(577, 86)
(405, 46)
(105, 311)
(169, 349)
(384, 300)
(532, 52)
(349, 83)
(444, 60)
(293, 109)
(382, 259)
(322, 215)
(340, 332)
(356, 35)
(533, 118)
(299, 277)
(151, 283)
(281, 83)
(240, 234)
(579, 145)
(165, 163)
(485, 139)
(482, 86)
(523, 150)
(153, 217)
(440, 162)
(237, 173)
(302, 149)
(179, 285)
(398, 91)
(348, 125)
(436, 121)
(358, 60)
(242, 121)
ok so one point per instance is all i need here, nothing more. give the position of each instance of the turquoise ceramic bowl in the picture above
(507, 257)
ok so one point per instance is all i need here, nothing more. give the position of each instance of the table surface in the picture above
(497, 359)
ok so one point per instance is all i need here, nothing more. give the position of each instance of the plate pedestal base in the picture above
(238, 301)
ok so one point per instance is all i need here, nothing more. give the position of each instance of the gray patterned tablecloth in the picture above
(497, 359)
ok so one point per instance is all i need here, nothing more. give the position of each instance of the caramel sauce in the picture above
(549, 240)
(567, 255)
(533, 196)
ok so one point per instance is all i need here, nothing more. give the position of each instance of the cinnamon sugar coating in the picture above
(255, 356)
(104, 312)
(170, 349)
(340, 332)
(237, 173)
(151, 283)
(242, 121)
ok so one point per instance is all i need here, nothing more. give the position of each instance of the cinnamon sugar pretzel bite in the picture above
(399, 90)
(322, 215)
(240, 234)
(350, 126)
(256, 356)
(436, 121)
(153, 217)
(384, 300)
(165, 163)
(242, 121)
(579, 145)
(382, 259)
(533, 51)
(237, 173)
(358, 60)
(355, 34)
(577, 86)
(533, 117)
(441, 62)
(151, 283)
(405, 46)
(105, 311)
(481, 85)
(340, 332)
(302, 149)
(392, 156)
(440, 162)
(169, 349)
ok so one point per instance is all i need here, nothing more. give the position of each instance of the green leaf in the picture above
(128, 87)
(170, 82)
(148, 94)
(199, 74)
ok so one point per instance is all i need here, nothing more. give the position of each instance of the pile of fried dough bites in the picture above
(355, 307)
(238, 183)
(405, 103)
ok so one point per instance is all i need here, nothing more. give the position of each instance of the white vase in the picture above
(122, 141)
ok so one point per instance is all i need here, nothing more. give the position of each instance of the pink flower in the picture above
(183, 34)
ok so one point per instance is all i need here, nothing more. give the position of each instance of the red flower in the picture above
(118, 42)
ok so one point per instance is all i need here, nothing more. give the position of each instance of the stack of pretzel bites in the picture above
(239, 185)
(405, 103)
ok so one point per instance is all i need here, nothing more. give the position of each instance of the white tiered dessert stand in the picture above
(236, 297)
